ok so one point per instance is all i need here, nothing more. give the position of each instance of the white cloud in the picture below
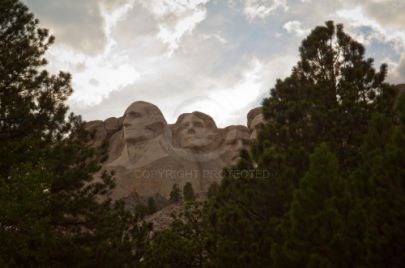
(397, 74)
(295, 27)
(234, 97)
(98, 78)
(262, 8)
(356, 18)
(176, 18)
(113, 14)
(163, 8)
(237, 97)
(389, 13)
(171, 35)
(78, 25)
(215, 36)
(96, 75)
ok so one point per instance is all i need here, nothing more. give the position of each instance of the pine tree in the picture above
(51, 213)
(212, 190)
(318, 233)
(188, 192)
(182, 244)
(32, 110)
(175, 194)
(357, 221)
(379, 184)
(141, 210)
(151, 205)
(330, 97)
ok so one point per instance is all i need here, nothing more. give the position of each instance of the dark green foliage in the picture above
(212, 190)
(182, 244)
(175, 194)
(24, 219)
(151, 205)
(329, 99)
(141, 210)
(379, 184)
(51, 212)
(188, 192)
(240, 224)
(318, 233)
(352, 221)
(32, 112)
(333, 193)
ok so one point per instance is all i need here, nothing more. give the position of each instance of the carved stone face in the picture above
(142, 121)
(236, 139)
(257, 120)
(193, 132)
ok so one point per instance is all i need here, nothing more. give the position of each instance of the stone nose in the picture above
(239, 144)
(190, 130)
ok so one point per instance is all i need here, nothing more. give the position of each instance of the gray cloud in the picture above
(262, 8)
(397, 74)
(386, 12)
(77, 24)
(94, 82)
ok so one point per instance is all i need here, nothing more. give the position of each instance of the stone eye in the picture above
(231, 142)
(184, 126)
(198, 124)
(134, 114)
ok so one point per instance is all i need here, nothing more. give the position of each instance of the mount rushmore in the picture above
(148, 156)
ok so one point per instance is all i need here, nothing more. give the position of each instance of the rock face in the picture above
(164, 217)
(148, 156)
(254, 120)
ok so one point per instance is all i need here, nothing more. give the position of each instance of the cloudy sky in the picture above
(220, 57)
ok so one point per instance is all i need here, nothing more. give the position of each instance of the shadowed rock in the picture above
(237, 138)
(148, 156)
(254, 120)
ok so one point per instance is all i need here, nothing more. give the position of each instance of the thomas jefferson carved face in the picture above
(142, 121)
(236, 139)
(195, 131)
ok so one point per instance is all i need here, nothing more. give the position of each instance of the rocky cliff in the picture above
(148, 156)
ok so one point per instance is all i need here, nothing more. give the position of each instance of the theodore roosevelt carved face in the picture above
(236, 139)
(142, 121)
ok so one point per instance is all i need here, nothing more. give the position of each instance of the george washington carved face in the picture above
(195, 131)
(142, 121)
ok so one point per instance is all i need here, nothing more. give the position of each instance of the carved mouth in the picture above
(194, 138)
